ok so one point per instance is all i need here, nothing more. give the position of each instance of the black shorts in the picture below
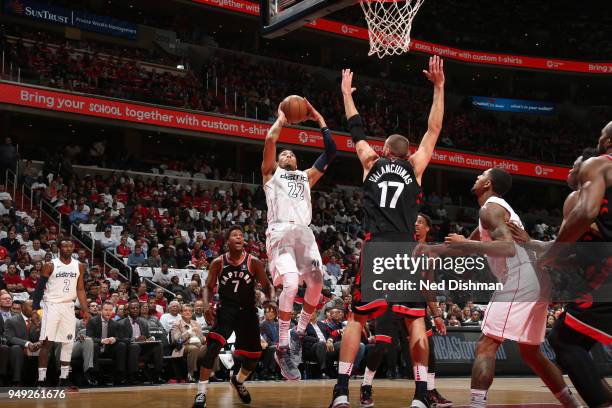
(389, 324)
(377, 307)
(245, 323)
(592, 320)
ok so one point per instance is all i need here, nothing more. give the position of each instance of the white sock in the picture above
(368, 376)
(479, 398)
(241, 377)
(420, 372)
(567, 399)
(283, 332)
(345, 368)
(202, 386)
(42, 374)
(64, 371)
(431, 381)
(303, 321)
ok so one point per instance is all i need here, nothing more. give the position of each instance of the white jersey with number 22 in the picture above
(288, 197)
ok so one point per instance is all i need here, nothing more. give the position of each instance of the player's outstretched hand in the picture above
(452, 238)
(281, 119)
(313, 114)
(518, 234)
(436, 71)
(347, 82)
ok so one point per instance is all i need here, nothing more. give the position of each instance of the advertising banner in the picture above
(455, 354)
(478, 57)
(80, 19)
(513, 105)
(62, 101)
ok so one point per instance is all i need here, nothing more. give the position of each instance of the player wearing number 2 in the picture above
(60, 283)
(391, 185)
(291, 246)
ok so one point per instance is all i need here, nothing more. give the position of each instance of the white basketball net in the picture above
(389, 24)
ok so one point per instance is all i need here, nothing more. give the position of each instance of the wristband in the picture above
(355, 126)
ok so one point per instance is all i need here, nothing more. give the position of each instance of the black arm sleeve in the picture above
(39, 291)
(355, 126)
(330, 151)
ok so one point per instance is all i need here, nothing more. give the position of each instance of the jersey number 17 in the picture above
(399, 187)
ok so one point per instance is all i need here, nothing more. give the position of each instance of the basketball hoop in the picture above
(389, 24)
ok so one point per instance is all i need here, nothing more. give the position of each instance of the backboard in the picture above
(279, 17)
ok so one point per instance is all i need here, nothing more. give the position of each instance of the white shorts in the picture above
(523, 319)
(58, 322)
(292, 248)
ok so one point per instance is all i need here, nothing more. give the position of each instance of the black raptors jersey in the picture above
(236, 282)
(390, 194)
(586, 314)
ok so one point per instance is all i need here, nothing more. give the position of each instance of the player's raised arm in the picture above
(209, 287)
(320, 165)
(46, 271)
(367, 156)
(268, 165)
(420, 159)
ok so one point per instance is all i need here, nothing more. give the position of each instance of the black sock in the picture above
(343, 381)
(420, 389)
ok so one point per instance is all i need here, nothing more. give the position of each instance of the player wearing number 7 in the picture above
(391, 186)
(235, 272)
(290, 244)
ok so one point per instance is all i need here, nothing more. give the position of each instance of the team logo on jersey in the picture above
(243, 274)
(69, 337)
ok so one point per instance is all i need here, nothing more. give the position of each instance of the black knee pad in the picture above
(213, 347)
(375, 356)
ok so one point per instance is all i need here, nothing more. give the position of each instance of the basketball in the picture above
(295, 108)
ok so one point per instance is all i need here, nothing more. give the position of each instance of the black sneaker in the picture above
(438, 401)
(365, 397)
(67, 385)
(243, 393)
(340, 399)
(199, 401)
(420, 402)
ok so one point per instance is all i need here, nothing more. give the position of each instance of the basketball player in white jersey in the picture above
(291, 246)
(60, 283)
(517, 312)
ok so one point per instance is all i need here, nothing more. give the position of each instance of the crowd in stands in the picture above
(222, 87)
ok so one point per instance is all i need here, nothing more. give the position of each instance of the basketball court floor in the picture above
(505, 393)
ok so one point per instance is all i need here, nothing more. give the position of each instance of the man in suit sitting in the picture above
(22, 332)
(104, 332)
(4, 353)
(134, 331)
(319, 345)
